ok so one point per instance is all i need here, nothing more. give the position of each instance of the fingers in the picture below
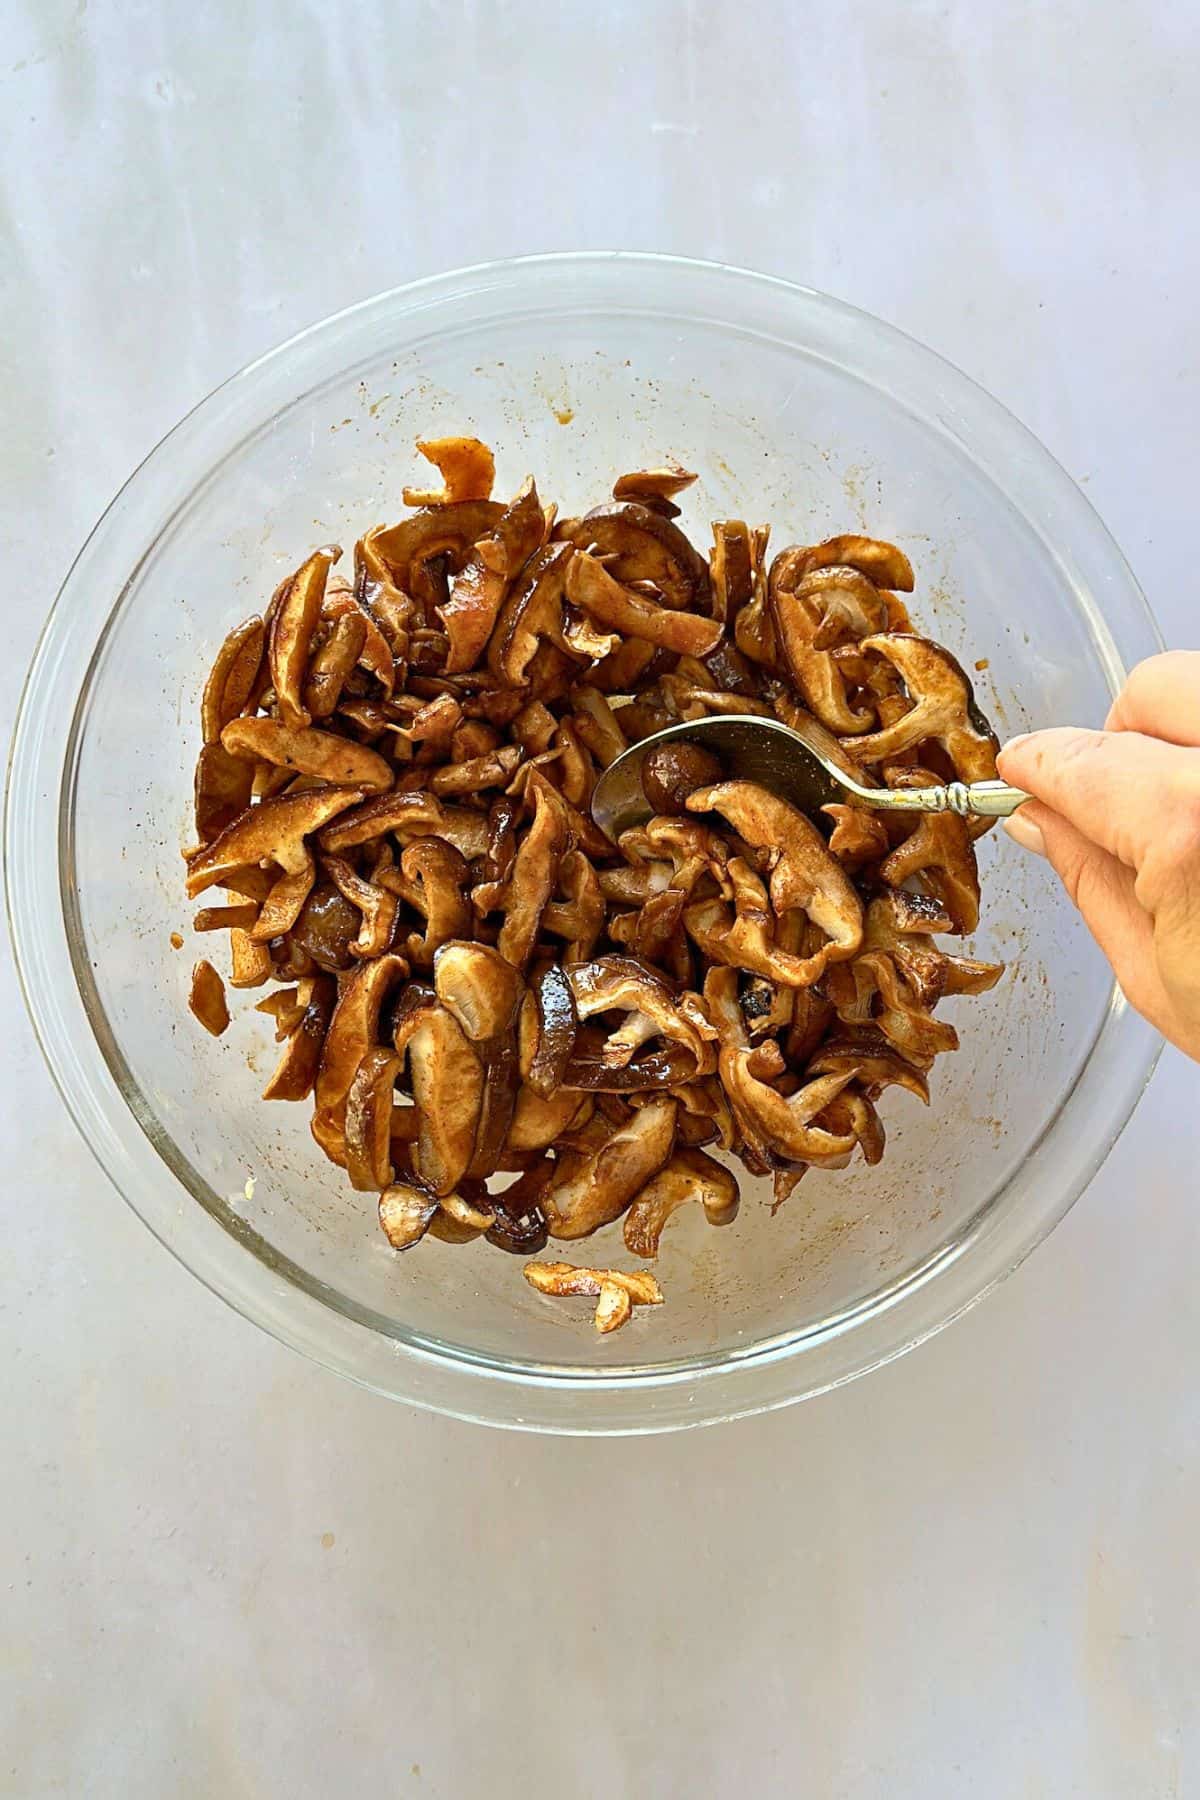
(1162, 699)
(1122, 790)
(1103, 890)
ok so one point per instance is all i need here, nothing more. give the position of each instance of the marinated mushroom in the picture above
(638, 544)
(296, 1070)
(655, 487)
(355, 1029)
(939, 854)
(942, 709)
(231, 682)
(483, 992)
(592, 1187)
(534, 872)
(333, 759)
(207, 999)
(433, 879)
(291, 631)
(803, 873)
(690, 1175)
(377, 906)
(467, 468)
(223, 788)
(477, 591)
(590, 586)
(511, 1027)
(368, 1125)
(447, 1080)
(273, 831)
(616, 1291)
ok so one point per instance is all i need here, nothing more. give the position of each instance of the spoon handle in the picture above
(982, 799)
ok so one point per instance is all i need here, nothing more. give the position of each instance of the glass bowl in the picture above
(794, 409)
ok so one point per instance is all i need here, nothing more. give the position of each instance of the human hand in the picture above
(1117, 812)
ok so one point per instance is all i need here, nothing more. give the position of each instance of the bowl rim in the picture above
(450, 1379)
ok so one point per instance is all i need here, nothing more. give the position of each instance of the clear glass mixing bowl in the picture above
(795, 409)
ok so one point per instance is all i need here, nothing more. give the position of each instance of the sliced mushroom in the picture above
(433, 878)
(881, 562)
(251, 961)
(534, 728)
(597, 725)
(324, 754)
(231, 681)
(401, 554)
(942, 710)
(285, 902)
(798, 608)
(207, 998)
(616, 1291)
(689, 1175)
(407, 814)
(483, 992)
(467, 468)
(327, 926)
(520, 1224)
(531, 614)
(803, 873)
(638, 544)
(548, 1026)
(226, 918)
(405, 1212)
(731, 570)
(539, 1121)
(940, 855)
(369, 1120)
(655, 488)
(868, 1058)
(376, 904)
(781, 1128)
(494, 769)
(900, 1013)
(578, 915)
(590, 586)
(858, 837)
(477, 592)
(534, 874)
(376, 656)
(447, 1080)
(753, 632)
(354, 1028)
(845, 605)
(622, 984)
(592, 1188)
(274, 831)
(331, 665)
(291, 632)
(851, 1111)
(297, 1068)
(224, 785)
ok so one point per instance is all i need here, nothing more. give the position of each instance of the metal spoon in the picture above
(805, 766)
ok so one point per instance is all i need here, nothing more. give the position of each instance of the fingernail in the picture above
(1023, 831)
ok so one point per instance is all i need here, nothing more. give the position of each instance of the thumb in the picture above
(1114, 787)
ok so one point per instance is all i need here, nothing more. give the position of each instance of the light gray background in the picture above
(229, 1573)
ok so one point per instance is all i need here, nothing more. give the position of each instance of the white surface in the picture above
(974, 1573)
